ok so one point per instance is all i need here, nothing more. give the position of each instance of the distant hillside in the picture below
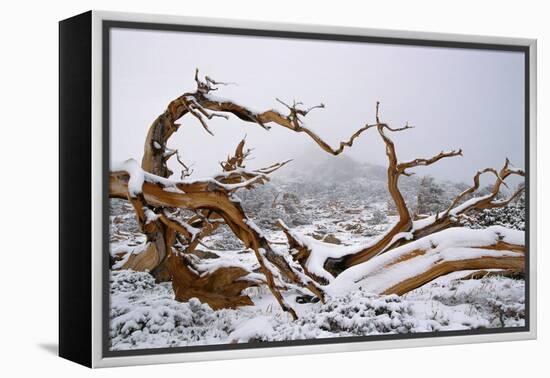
(333, 168)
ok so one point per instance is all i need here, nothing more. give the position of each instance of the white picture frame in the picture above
(99, 22)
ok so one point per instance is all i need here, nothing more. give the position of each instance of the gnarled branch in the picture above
(151, 192)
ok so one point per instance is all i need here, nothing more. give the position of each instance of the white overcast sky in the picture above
(455, 98)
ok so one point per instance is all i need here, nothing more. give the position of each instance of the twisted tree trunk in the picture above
(408, 247)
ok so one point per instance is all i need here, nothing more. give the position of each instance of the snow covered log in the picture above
(410, 266)
(407, 230)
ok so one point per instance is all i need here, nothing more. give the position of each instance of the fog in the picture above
(455, 98)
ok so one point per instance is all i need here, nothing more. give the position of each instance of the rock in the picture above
(316, 236)
(330, 238)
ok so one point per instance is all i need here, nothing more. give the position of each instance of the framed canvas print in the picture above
(233, 189)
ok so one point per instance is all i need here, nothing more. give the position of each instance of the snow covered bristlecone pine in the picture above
(144, 314)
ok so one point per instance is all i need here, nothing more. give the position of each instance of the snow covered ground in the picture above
(344, 213)
(145, 315)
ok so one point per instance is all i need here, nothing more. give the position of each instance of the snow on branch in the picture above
(487, 201)
(226, 181)
(182, 227)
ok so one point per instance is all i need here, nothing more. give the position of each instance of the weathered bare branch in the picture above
(425, 162)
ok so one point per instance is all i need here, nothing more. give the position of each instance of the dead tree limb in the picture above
(156, 199)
